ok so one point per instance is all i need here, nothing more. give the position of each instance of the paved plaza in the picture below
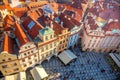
(88, 66)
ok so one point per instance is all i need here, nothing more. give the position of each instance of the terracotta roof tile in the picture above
(112, 25)
(2, 7)
(78, 12)
(57, 28)
(67, 23)
(33, 32)
(21, 36)
(7, 44)
(8, 21)
(19, 11)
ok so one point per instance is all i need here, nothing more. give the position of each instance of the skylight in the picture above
(31, 24)
(48, 9)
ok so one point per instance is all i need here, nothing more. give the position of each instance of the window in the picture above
(9, 58)
(46, 37)
(42, 56)
(5, 71)
(28, 52)
(4, 66)
(25, 65)
(35, 60)
(55, 50)
(31, 51)
(9, 1)
(51, 45)
(29, 57)
(30, 62)
(50, 36)
(3, 60)
(46, 47)
(35, 55)
(42, 49)
(16, 69)
(54, 43)
(15, 64)
(60, 42)
(25, 47)
(63, 41)
(23, 60)
(25, 54)
(50, 52)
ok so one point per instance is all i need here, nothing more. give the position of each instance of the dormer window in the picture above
(51, 36)
(46, 37)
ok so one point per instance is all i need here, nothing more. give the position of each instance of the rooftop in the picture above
(7, 44)
(20, 34)
(32, 26)
(47, 30)
(68, 22)
(8, 22)
(6, 6)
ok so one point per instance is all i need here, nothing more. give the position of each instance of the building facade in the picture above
(100, 35)
(47, 45)
(9, 62)
(28, 52)
(73, 27)
(63, 36)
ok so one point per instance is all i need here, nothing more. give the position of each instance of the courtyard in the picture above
(87, 66)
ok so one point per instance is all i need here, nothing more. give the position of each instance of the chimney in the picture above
(73, 15)
(65, 16)
(69, 19)
(61, 23)
(51, 24)
(52, 16)
(48, 15)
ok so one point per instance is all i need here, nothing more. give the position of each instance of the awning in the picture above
(22, 76)
(38, 73)
(10, 77)
(66, 56)
(116, 58)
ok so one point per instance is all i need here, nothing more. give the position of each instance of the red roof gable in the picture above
(7, 44)
(21, 36)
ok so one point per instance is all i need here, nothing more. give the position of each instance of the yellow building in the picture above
(9, 63)
(63, 36)
(47, 43)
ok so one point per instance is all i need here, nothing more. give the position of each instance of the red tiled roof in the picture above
(57, 28)
(6, 6)
(34, 31)
(66, 22)
(7, 44)
(19, 11)
(35, 14)
(21, 36)
(8, 21)
(112, 25)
